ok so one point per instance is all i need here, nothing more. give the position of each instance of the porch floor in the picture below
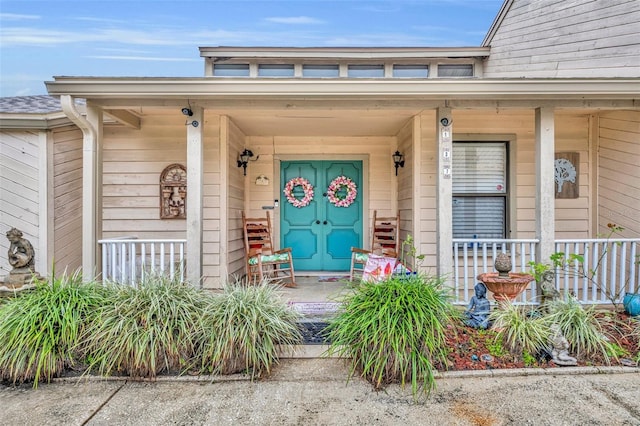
(314, 288)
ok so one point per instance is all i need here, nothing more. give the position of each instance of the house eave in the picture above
(341, 53)
(33, 121)
(208, 88)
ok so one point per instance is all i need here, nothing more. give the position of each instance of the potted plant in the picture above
(631, 303)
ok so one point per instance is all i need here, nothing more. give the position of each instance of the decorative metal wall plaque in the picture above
(173, 192)
(566, 174)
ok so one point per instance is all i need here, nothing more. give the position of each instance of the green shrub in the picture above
(520, 329)
(40, 328)
(245, 329)
(394, 331)
(582, 327)
(145, 330)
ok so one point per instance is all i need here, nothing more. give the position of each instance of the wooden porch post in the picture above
(444, 224)
(545, 183)
(195, 181)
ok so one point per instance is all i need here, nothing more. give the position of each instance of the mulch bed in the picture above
(472, 349)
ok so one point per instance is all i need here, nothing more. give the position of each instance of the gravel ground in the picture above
(315, 392)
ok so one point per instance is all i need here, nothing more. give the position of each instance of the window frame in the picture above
(507, 141)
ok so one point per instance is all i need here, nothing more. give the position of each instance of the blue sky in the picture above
(42, 39)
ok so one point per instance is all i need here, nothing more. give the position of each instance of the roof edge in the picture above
(496, 23)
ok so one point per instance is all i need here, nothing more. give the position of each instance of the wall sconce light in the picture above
(398, 160)
(243, 159)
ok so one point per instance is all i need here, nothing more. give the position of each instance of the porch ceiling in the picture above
(321, 122)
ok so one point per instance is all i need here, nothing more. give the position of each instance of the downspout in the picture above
(89, 185)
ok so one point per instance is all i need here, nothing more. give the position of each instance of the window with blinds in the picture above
(479, 189)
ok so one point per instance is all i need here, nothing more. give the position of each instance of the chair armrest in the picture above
(284, 250)
(359, 250)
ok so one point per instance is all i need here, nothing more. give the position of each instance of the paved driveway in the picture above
(314, 392)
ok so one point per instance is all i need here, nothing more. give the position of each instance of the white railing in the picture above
(127, 260)
(610, 268)
(472, 257)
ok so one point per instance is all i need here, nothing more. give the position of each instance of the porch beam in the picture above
(444, 224)
(124, 117)
(195, 181)
(202, 88)
(221, 106)
(545, 183)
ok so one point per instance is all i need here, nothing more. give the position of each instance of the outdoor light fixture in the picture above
(398, 160)
(244, 158)
(187, 111)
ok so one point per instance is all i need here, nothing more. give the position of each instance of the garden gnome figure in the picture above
(560, 348)
(22, 257)
(548, 289)
(477, 313)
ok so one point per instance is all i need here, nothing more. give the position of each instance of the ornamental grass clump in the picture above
(145, 330)
(582, 327)
(394, 331)
(521, 329)
(245, 328)
(40, 328)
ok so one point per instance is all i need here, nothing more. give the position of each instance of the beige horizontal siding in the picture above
(619, 171)
(19, 189)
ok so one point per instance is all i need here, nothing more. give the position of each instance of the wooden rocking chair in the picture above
(262, 262)
(385, 241)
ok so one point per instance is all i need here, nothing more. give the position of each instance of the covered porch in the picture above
(364, 121)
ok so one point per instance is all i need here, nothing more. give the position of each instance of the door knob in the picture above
(324, 223)
(317, 222)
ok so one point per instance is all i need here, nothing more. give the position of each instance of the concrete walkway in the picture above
(315, 392)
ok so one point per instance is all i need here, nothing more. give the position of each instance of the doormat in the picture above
(333, 279)
(315, 308)
(314, 333)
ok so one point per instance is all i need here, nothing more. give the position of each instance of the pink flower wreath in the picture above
(336, 185)
(306, 187)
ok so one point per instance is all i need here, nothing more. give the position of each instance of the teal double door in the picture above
(321, 234)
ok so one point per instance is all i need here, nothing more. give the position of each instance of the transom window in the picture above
(455, 70)
(231, 70)
(275, 70)
(320, 71)
(411, 71)
(480, 189)
(362, 71)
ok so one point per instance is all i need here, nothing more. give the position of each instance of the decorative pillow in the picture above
(378, 268)
(269, 258)
(361, 257)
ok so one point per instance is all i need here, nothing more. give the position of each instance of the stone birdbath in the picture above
(504, 284)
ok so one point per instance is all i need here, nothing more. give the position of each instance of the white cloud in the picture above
(142, 58)
(295, 20)
(17, 17)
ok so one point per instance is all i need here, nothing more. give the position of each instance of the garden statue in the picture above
(477, 313)
(560, 348)
(22, 257)
(548, 289)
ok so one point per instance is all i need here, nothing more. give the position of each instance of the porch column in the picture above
(444, 193)
(195, 181)
(545, 183)
(91, 127)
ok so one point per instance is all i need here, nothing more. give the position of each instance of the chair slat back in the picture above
(385, 235)
(257, 234)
